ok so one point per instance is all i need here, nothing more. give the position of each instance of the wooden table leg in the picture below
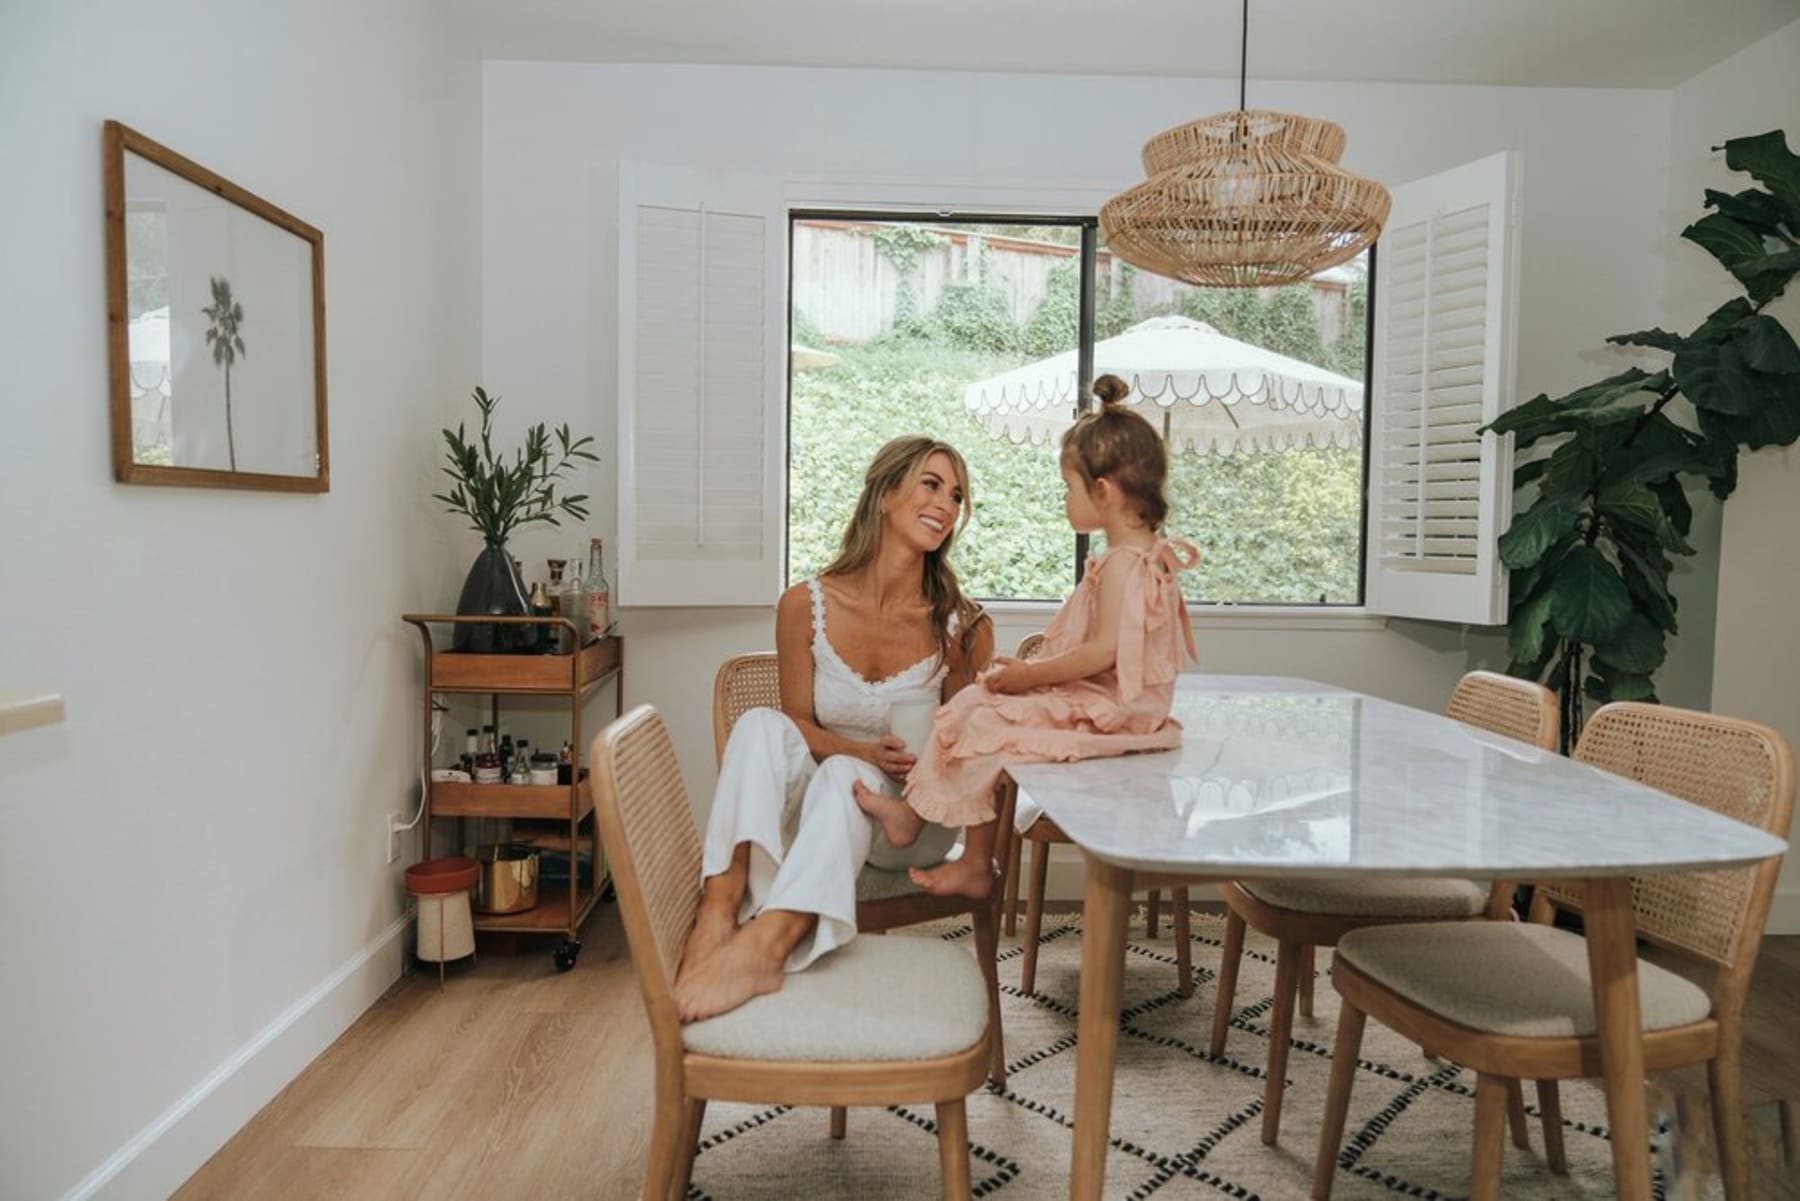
(1612, 961)
(1105, 911)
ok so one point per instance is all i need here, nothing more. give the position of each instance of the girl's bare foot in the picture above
(899, 824)
(968, 876)
(749, 965)
(714, 926)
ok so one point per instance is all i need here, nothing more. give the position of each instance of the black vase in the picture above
(493, 589)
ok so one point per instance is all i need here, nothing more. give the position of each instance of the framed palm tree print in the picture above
(215, 328)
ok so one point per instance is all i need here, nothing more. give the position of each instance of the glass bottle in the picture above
(471, 748)
(545, 636)
(574, 604)
(599, 597)
(506, 758)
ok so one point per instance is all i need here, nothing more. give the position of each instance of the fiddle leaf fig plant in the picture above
(1590, 555)
(498, 497)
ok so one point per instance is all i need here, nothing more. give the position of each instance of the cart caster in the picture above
(566, 954)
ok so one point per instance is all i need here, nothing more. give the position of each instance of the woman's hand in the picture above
(1008, 675)
(890, 755)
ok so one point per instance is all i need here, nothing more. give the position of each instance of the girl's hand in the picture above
(891, 756)
(1007, 675)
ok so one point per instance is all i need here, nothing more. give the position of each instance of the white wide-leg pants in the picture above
(808, 840)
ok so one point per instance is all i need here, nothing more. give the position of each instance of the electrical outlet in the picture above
(396, 830)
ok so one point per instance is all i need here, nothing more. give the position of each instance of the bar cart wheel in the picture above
(566, 954)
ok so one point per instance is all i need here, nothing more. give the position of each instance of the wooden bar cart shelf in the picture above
(563, 814)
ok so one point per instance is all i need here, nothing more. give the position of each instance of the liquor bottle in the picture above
(543, 636)
(471, 748)
(506, 758)
(599, 596)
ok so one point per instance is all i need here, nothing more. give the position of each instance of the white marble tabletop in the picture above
(1283, 777)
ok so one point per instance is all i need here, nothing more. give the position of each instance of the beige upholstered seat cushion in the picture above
(874, 884)
(875, 998)
(1373, 898)
(1515, 978)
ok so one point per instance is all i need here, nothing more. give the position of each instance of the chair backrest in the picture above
(1737, 768)
(653, 849)
(1508, 706)
(1030, 646)
(744, 682)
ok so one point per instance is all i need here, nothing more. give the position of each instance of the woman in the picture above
(884, 623)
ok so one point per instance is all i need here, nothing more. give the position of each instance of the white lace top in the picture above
(849, 705)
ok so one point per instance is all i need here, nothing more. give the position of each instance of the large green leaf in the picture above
(1613, 685)
(1572, 471)
(1649, 590)
(1657, 339)
(1637, 647)
(1673, 498)
(1527, 582)
(1585, 407)
(1737, 246)
(1528, 629)
(1534, 531)
(1658, 449)
(1766, 345)
(1588, 600)
(1753, 207)
(1721, 321)
(1633, 504)
(1769, 161)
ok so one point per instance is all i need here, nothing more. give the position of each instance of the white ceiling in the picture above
(1569, 43)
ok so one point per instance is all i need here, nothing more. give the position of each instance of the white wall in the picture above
(1756, 664)
(194, 898)
(554, 134)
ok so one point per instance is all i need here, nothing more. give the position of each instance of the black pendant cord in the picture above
(1244, 57)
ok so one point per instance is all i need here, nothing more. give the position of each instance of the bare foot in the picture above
(899, 824)
(747, 966)
(964, 877)
(714, 925)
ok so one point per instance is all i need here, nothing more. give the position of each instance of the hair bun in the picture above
(1110, 390)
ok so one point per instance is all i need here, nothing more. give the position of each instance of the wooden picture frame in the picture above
(178, 235)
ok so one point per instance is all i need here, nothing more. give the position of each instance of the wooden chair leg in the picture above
(1725, 1085)
(953, 1148)
(1490, 1138)
(1224, 995)
(1034, 915)
(840, 1121)
(1308, 968)
(1184, 944)
(1550, 1106)
(1150, 913)
(1344, 1054)
(1516, 1120)
(1281, 1026)
(690, 1140)
(987, 947)
(1015, 855)
(665, 1147)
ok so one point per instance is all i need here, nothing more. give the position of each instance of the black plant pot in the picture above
(493, 589)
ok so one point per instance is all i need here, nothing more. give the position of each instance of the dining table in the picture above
(1280, 778)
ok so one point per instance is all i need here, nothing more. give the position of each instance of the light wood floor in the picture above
(517, 1081)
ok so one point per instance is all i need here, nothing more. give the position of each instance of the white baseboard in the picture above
(157, 1159)
(1784, 912)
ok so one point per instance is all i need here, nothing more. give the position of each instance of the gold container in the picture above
(509, 878)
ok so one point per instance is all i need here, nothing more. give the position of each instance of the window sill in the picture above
(1221, 617)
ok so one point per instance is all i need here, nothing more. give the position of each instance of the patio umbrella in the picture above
(804, 357)
(1207, 393)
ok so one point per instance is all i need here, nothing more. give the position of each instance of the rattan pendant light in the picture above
(1245, 199)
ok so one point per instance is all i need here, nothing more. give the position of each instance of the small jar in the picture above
(543, 768)
(487, 768)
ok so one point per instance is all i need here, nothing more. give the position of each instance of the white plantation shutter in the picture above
(1442, 367)
(702, 317)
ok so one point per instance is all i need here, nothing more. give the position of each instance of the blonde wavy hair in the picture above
(896, 467)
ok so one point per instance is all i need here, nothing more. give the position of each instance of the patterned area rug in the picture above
(1185, 1124)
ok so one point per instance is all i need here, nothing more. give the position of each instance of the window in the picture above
(971, 331)
(733, 299)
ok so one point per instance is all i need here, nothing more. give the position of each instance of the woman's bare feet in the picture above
(750, 964)
(714, 926)
(969, 876)
(899, 824)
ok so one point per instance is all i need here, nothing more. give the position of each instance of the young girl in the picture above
(1105, 679)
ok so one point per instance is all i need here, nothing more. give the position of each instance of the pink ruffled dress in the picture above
(979, 732)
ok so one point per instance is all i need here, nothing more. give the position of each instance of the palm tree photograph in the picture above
(225, 315)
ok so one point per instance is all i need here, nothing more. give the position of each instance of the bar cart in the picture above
(566, 811)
